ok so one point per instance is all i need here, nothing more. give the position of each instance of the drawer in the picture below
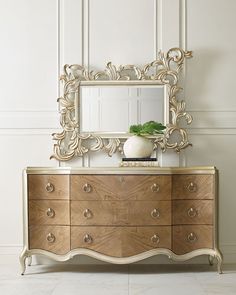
(192, 212)
(120, 187)
(55, 239)
(48, 186)
(120, 213)
(121, 241)
(42, 212)
(187, 238)
(193, 187)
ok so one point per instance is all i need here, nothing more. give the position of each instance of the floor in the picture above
(117, 280)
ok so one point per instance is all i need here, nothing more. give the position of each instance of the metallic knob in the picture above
(87, 188)
(155, 239)
(155, 213)
(49, 187)
(192, 212)
(51, 238)
(88, 239)
(155, 188)
(192, 187)
(88, 213)
(192, 238)
(50, 212)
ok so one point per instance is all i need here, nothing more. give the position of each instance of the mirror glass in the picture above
(113, 108)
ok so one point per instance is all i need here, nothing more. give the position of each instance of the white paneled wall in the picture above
(39, 36)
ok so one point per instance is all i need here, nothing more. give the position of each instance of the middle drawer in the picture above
(120, 213)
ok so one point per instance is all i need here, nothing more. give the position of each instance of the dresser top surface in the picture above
(121, 170)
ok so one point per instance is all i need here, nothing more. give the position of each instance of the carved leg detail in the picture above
(23, 257)
(29, 260)
(210, 260)
(219, 261)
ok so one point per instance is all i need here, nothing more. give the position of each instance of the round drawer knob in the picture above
(88, 213)
(192, 187)
(51, 238)
(155, 239)
(88, 239)
(87, 188)
(50, 212)
(155, 188)
(155, 213)
(192, 212)
(49, 187)
(192, 238)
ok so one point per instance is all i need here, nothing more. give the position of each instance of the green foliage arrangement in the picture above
(148, 128)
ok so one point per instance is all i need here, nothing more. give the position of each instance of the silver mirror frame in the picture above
(70, 143)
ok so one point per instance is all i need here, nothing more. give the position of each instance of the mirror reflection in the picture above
(112, 109)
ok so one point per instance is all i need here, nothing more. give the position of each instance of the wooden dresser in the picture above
(120, 215)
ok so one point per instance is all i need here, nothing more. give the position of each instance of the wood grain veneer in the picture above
(192, 212)
(121, 241)
(37, 186)
(181, 243)
(203, 187)
(38, 238)
(120, 213)
(120, 187)
(49, 212)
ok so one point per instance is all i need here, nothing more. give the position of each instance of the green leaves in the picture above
(148, 128)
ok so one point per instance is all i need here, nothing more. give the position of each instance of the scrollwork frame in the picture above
(70, 143)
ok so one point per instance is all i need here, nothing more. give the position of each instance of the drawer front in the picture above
(120, 187)
(120, 241)
(192, 212)
(120, 213)
(55, 239)
(49, 212)
(193, 187)
(48, 186)
(187, 238)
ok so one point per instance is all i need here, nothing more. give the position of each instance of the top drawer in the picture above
(193, 187)
(48, 186)
(120, 187)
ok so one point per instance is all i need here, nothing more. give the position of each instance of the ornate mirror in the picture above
(97, 108)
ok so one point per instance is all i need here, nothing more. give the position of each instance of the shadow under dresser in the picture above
(120, 215)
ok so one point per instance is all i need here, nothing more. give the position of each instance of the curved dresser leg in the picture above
(210, 260)
(219, 261)
(23, 257)
(29, 260)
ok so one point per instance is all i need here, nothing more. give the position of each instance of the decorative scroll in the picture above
(164, 70)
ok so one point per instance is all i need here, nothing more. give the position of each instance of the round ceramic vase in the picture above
(138, 147)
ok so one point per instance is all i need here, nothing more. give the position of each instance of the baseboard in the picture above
(9, 254)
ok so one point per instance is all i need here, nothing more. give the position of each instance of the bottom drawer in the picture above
(120, 241)
(55, 239)
(187, 238)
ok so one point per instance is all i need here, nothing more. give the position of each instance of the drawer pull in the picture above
(88, 239)
(50, 212)
(155, 213)
(155, 188)
(51, 238)
(87, 188)
(88, 213)
(192, 238)
(192, 187)
(155, 239)
(49, 187)
(192, 212)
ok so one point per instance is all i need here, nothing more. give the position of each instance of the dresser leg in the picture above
(23, 257)
(210, 260)
(29, 260)
(219, 261)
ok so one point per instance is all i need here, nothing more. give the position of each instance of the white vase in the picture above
(138, 147)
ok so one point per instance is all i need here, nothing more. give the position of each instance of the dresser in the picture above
(120, 215)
